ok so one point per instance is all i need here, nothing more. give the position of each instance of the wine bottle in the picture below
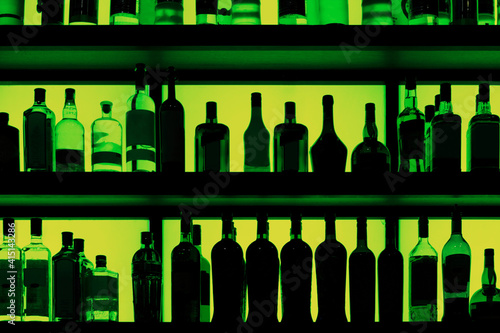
(390, 276)
(376, 12)
(37, 276)
(262, 268)
(123, 12)
(429, 114)
(169, 12)
(83, 12)
(140, 126)
(106, 141)
(328, 153)
(206, 12)
(172, 130)
(85, 277)
(70, 141)
(256, 139)
(292, 12)
(245, 12)
(212, 143)
(290, 143)
(39, 135)
(362, 278)
(52, 12)
(296, 277)
(486, 12)
(331, 268)
(224, 12)
(9, 145)
(444, 17)
(103, 292)
(147, 282)
(423, 276)
(334, 12)
(186, 276)
(12, 12)
(485, 303)
(371, 155)
(464, 12)
(204, 277)
(423, 12)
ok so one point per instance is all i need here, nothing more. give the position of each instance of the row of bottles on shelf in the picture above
(248, 12)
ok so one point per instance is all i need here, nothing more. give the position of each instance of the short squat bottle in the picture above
(103, 294)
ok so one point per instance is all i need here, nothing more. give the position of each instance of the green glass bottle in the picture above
(292, 12)
(169, 12)
(464, 12)
(256, 139)
(204, 277)
(423, 12)
(429, 114)
(485, 303)
(11, 12)
(206, 12)
(85, 277)
(123, 12)
(376, 12)
(245, 12)
(224, 12)
(486, 12)
(444, 16)
(334, 12)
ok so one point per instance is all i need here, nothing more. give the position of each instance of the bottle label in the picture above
(146, 268)
(423, 279)
(456, 273)
(484, 143)
(106, 157)
(35, 141)
(37, 287)
(67, 289)
(104, 286)
(411, 139)
(446, 144)
(212, 156)
(172, 137)
(140, 128)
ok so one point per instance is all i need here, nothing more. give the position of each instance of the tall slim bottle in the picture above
(245, 12)
(52, 12)
(376, 12)
(334, 12)
(103, 295)
(11, 273)
(485, 303)
(204, 277)
(423, 12)
(123, 12)
(9, 145)
(107, 136)
(140, 126)
(292, 12)
(37, 272)
(206, 12)
(256, 139)
(83, 12)
(85, 277)
(169, 12)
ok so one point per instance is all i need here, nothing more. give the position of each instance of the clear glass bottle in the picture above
(37, 272)
(290, 143)
(334, 12)
(85, 278)
(12, 12)
(464, 12)
(245, 12)
(9, 145)
(169, 12)
(70, 138)
(106, 141)
(486, 12)
(423, 12)
(444, 17)
(212, 143)
(206, 12)
(52, 12)
(123, 12)
(83, 12)
(256, 139)
(429, 114)
(292, 12)
(140, 129)
(39, 135)
(485, 303)
(103, 295)
(204, 277)
(376, 12)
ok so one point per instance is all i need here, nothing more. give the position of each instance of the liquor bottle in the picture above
(390, 276)
(206, 12)
(103, 295)
(67, 284)
(140, 126)
(262, 266)
(9, 145)
(52, 12)
(400, 10)
(228, 279)
(186, 276)
(362, 278)
(224, 12)
(429, 114)
(204, 277)
(464, 12)
(245, 12)
(85, 277)
(331, 268)
(376, 12)
(11, 274)
(423, 276)
(256, 139)
(292, 12)
(123, 12)
(371, 155)
(411, 127)
(446, 154)
(328, 153)
(70, 142)
(169, 12)
(147, 12)
(423, 12)
(83, 12)
(107, 136)
(290, 143)
(296, 277)
(147, 282)
(483, 135)
(39, 135)
(456, 258)
(444, 17)
(37, 269)
(172, 130)
(485, 303)
(486, 12)
(212, 143)
(333, 12)
(12, 12)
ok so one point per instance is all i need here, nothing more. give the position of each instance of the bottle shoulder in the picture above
(261, 245)
(69, 123)
(410, 113)
(423, 249)
(294, 245)
(141, 101)
(172, 106)
(147, 254)
(65, 254)
(484, 118)
(36, 247)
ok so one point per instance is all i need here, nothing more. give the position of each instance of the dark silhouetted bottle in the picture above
(256, 140)
(204, 277)
(9, 145)
(85, 278)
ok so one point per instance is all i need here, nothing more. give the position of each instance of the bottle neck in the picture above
(186, 237)
(106, 115)
(228, 235)
(171, 89)
(456, 227)
(411, 98)
(370, 131)
(489, 278)
(39, 103)
(290, 119)
(256, 114)
(212, 120)
(330, 230)
(445, 107)
(69, 110)
(390, 237)
(328, 120)
(263, 235)
(361, 236)
(483, 108)
(147, 246)
(36, 239)
(295, 235)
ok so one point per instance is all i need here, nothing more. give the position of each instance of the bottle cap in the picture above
(70, 94)
(289, 110)
(196, 234)
(67, 238)
(6, 222)
(100, 260)
(256, 99)
(429, 113)
(484, 92)
(36, 226)
(106, 106)
(328, 100)
(489, 252)
(146, 237)
(123, 6)
(370, 112)
(39, 95)
(4, 119)
(78, 244)
(445, 92)
(411, 83)
(211, 110)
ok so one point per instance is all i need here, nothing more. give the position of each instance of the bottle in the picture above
(123, 12)
(296, 277)
(83, 12)
(331, 268)
(429, 114)
(52, 12)
(256, 139)
(334, 12)
(186, 276)
(485, 303)
(486, 12)
(206, 12)
(456, 257)
(390, 276)
(292, 12)
(376, 12)
(371, 155)
(400, 10)
(9, 145)
(228, 279)
(85, 277)
(147, 12)
(262, 266)
(444, 17)
(140, 126)
(212, 143)
(169, 12)
(446, 154)
(423, 12)
(245, 12)
(328, 153)
(39, 135)
(12, 12)
(483, 135)
(411, 127)
(290, 143)
(106, 141)
(37, 269)
(224, 12)
(103, 294)
(423, 276)
(362, 278)
(11, 273)
(147, 282)
(67, 283)
(464, 12)
(70, 142)
(204, 277)
(172, 130)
